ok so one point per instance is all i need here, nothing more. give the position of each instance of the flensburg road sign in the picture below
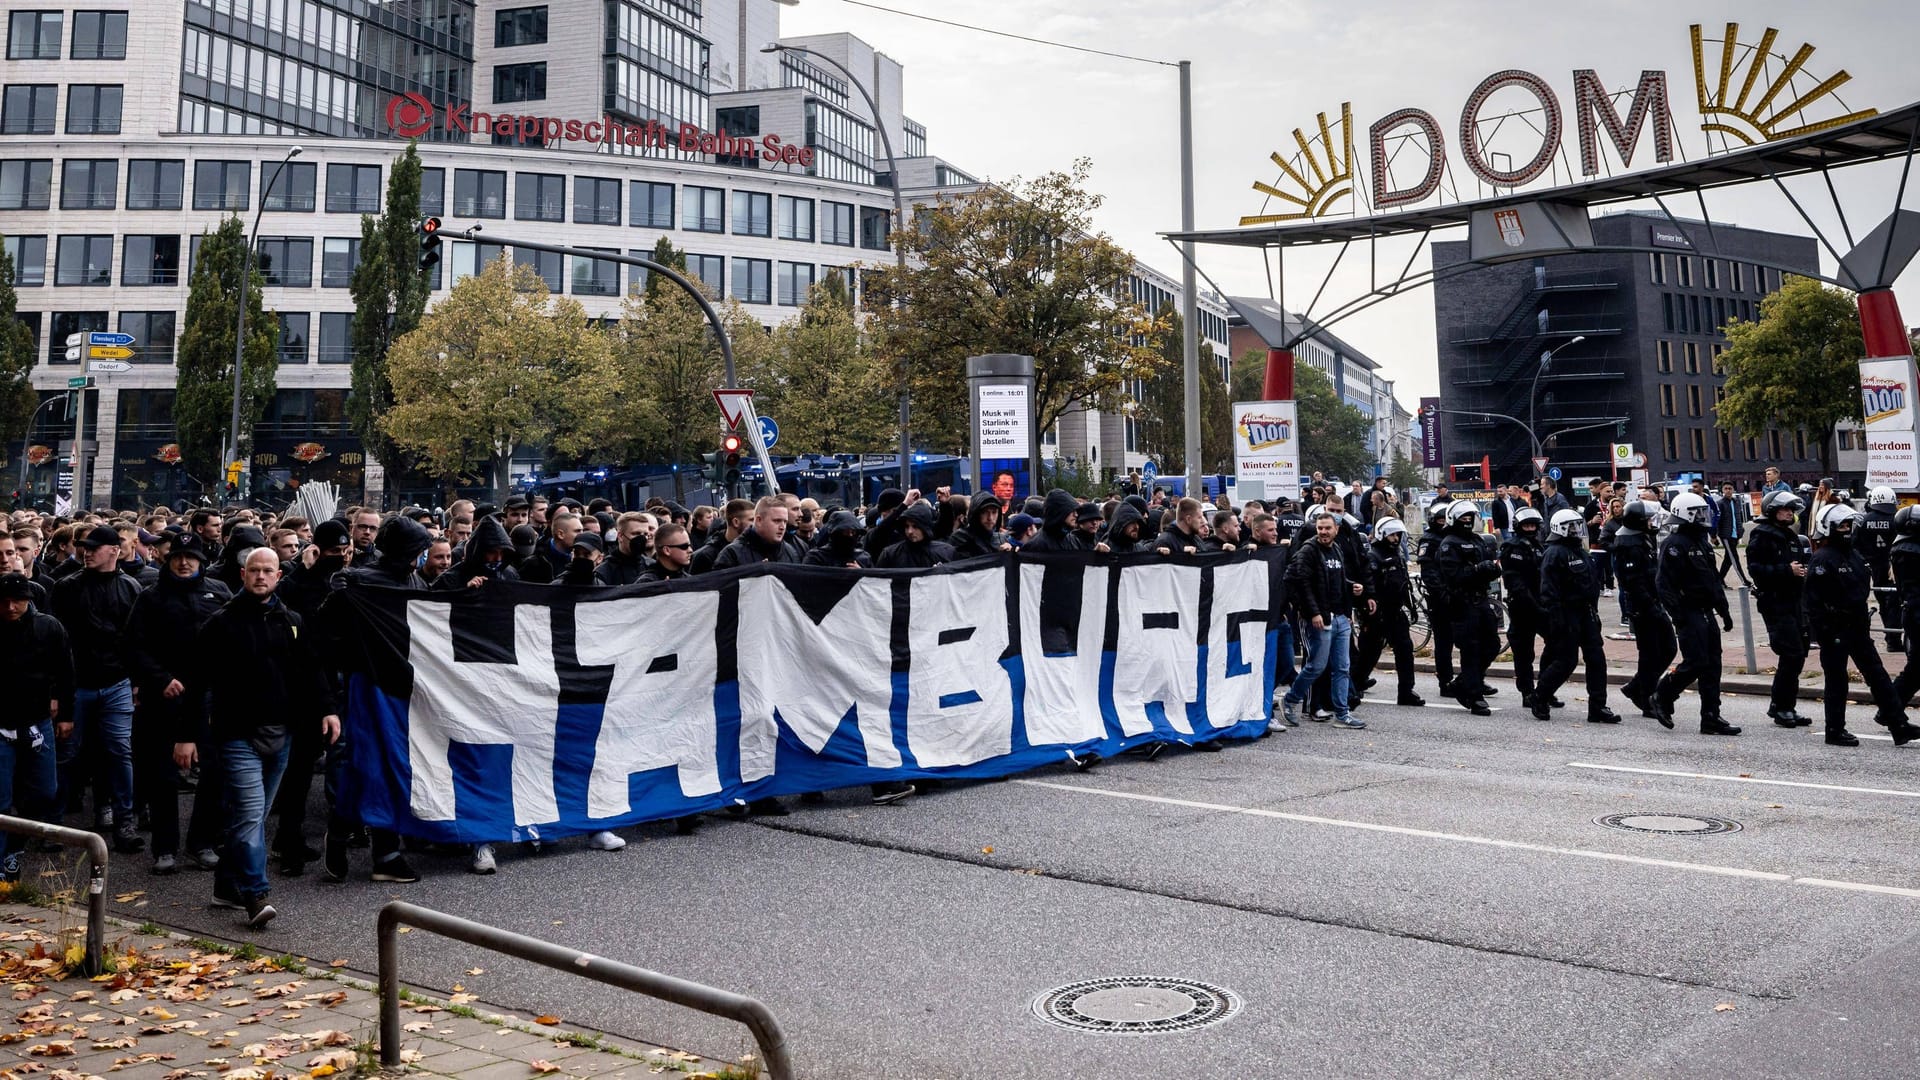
(98, 337)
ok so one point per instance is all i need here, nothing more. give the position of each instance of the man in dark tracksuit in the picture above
(1387, 625)
(1427, 554)
(1904, 563)
(36, 665)
(1691, 589)
(1636, 568)
(1874, 537)
(1467, 569)
(1837, 613)
(1778, 557)
(1520, 572)
(1570, 601)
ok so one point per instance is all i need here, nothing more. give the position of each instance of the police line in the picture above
(496, 714)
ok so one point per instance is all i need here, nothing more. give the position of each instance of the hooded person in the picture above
(1057, 532)
(840, 543)
(883, 525)
(1087, 521)
(243, 539)
(916, 549)
(1125, 534)
(490, 556)
(39, 672)
(980, 535)
(398, 546)
(306, 585)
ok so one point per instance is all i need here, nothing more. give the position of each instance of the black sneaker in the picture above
(226, 903)
(1904, 734)
(1478, 707)
(334, 858)
(1540, 710)
(1603, 715)
(396, 870)
(891, 793)
(1713, 725)
(1412, 700)
(1211, 746)
(767, 807)
(1786, 718)
(259, 913)
(688, 825)
(126, 841)
(1841, 737)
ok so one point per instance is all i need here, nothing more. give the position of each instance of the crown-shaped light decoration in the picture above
(1332, 178)
(1779, 110)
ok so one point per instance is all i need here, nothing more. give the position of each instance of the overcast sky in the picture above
(1001, 108)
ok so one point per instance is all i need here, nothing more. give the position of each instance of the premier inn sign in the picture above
(412, 115)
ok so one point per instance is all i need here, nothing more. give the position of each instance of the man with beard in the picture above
(981, 533)
(916, 549)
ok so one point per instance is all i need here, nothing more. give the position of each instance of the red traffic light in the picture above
(730, 444)
(430, 225)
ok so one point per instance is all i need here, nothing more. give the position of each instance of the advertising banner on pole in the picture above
(1266, 447)
(1886, 401)
(1004, 439)
(1430, 457)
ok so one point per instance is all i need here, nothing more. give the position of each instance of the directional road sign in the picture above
(98, 337)
(1554, 474)
(769, 431)
(1539, 465)
(109, 352)
(109, 365)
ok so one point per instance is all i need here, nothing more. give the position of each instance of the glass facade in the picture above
(842, 143)
(656, 67)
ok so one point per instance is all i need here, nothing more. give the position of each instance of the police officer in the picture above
(1779, 557)
(1427, 554)
(1387, 626)
(1520, 572)
(1904, 563)
(1874, 540)
(1691, 590)
(1467, 568)
(1636, 567)
(1570, 601)
(1837, 611)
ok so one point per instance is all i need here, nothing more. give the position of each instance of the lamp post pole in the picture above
(240, 322)
(1533, 393)
(899, 250)
(1189, 286)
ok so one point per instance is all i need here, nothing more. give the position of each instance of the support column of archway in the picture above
(1278, 383)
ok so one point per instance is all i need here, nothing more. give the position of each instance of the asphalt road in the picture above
(1428, 897)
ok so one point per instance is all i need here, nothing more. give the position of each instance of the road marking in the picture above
(1481, 841)
(1440, 703)
(1745, 780)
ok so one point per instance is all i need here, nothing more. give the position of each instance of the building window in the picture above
(705, 211)
(353, 189)
(285, 261)
(220, 185)
(1693, 400)
(89, 184)
(29, 255)
(433, 192)
(596, 277)
(1658, 265)
(1713, 273)
(479, 193)
(84, 260)
(93, 110)
(1739, 276)
(520, 82)
(1683, 265)
(294, 328)
(1775, 450)
(539, 197)
(28, 110)
(99, 35)
(796, 281)
(1693, 358)
(652, 206)
(67, 323)
(1666, 399)
(1698, 440)
(596, 201)
(753, 281)
(293, 189)
(874, 224)
(33, 35)
(547, 264)
(1663, 357)
(1719, 359)
(153, 335)
(1666, 312)
(520, 26)
(738, 121)
(842, 274)
(1800, 444)
(796, 218)
(151, 260)
(706, 269)
(470, 259)
(26, 184)
(836, 223)
(752, 213)
(1670, 443)
(155, 185)
(336, 337)
(338, 258)
(1725, 439)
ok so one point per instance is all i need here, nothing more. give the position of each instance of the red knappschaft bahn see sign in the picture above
(412, 115)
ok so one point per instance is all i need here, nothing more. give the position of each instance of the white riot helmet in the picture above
(1460, 511)
(1567, 523)
(1388, 529)
(1882, 497)
(1315, 512)
(1689, 509)
(1527, 516)
(1834, 519)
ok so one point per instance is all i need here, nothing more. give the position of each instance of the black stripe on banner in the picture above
(956, 635)
(1160, 620)
(726, 635)
(1060, 590)
(579, 684)
(1206, 607)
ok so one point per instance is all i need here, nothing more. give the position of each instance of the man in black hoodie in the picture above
(243, 539)
(737, 518)
(1182, 534)
(841, 543)
(306, 586)
(1056, 526)
(1124, 532)
(97, 737)
(917, 549)
(490, 557)
(883, 526)
(37, 668)
(981, 533)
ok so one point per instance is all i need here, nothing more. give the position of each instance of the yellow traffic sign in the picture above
(109, 352)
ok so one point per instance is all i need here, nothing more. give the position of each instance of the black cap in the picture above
(519, 502)
(330, 534)
(98, 537)
(590, 541)
(189, 545)
(15, 587)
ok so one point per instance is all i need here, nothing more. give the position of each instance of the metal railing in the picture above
(749, 1011)
(96, 876)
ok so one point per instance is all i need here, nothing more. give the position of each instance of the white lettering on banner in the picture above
(659, 709)
(813, 673)
(516, 705)
(1061, 702)
(959, 698)
(1157, 657)
(1237, 693)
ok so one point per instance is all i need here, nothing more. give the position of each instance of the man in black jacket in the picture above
(1323, 592)
(1520, 572)
(765, 541)
(1779, 557)
(1842, 582)
(161, 632)
(627, 559)
(97, 738)
(981, 534)
(1691, 590)
(1467, 570)
(1636, 567)
(1182, 534)
(490, 556)
(673, 551)
(1904, 564)
(1387, 626)
(258, 676)
(736, 519)
(917, 549)
(1570, 601)
(1057, 532)
(841, 545)
(1124, 532)
(37, 669)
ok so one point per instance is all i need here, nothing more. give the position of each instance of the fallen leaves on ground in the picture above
(541, 1065)
(476, 971)
(337, 1060)
(1725, 1006)
(549, 1021)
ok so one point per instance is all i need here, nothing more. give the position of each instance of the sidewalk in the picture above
(170, 1008)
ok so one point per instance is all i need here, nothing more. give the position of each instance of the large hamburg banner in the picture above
(514, 711)
(1266, 448)
(1886, 403)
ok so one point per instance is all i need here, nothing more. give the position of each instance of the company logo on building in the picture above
(1262, 432)
(410, 116)
(1881, 398)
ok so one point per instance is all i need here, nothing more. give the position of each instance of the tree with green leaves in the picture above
(1798, 367)
(821, 377)
(203, 397)
(18, 400)
(1333, 434)
(665, 254)
(1013, 268)
(497, 365)
(389, 297)
(1404, 475)
(1161, 415)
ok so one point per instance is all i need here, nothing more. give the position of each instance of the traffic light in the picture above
(429, 243)
(730, 460)
(710, 468)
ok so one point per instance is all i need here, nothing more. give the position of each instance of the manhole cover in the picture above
(1668, 824)
(1136, 1005)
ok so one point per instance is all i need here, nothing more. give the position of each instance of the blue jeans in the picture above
(248, 782)
(100, 748)
(1326, 655)
(27, 779)
(1283, 669)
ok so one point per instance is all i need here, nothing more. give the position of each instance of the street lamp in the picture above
(1546, 360)
(899, 217)
(240, 322)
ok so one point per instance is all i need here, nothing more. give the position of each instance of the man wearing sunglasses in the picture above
(672, 554)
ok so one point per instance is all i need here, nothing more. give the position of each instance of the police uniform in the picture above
(1874, 538)
(1570, 601)
(1837, 613)
(1387, 627)
(1467, 569)
(1903, 562)
(1520, 573)
(1773, 549)
(1691, 589)
(1636, 568)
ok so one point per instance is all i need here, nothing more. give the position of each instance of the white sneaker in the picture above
(605, 841)
(482, 859)
(1606, 592)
